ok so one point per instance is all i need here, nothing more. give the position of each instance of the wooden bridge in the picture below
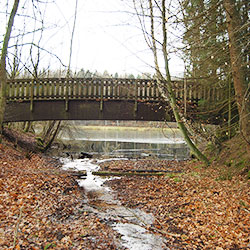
(97, 99)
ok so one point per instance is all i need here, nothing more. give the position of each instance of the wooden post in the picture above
(136, 96)
(32, 96)
(67, 95)
(101, 102)
(185, 96)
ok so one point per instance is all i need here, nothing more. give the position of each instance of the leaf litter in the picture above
(194, 209)
(42, 207)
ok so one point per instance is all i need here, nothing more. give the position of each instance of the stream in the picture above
(131, 224)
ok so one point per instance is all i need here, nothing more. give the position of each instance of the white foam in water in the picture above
(134, 236)
(135, 140)
(91, 183)
(137, 238)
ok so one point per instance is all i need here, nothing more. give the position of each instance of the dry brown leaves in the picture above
(194, 209)
(41, 207)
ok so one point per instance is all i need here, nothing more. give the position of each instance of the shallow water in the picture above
(127, 142)
(130, 223)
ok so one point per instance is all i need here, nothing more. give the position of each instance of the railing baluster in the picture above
(57, 89)
(101, 94)
(22, 91)
(85, 89)
(42, 87)
(109, 89)
(26, 91)
(82, 84)
(71, 87)
(48, 94)
(152, 90)
(77, 89)
(92, 89)
(12, 90)
(88, 88)
(144, 90)
(51, 88)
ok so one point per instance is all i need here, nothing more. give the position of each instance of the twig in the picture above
(163, 231)
(17, 227)
(152, 227)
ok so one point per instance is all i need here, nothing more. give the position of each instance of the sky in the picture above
(107, 37)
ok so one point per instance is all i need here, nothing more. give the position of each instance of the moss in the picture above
(177, 179)
(170, 175)
(48, 245)
(195, 174)
(240, 165)
(226, 176)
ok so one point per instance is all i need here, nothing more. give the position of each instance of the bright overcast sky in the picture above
(106, 37)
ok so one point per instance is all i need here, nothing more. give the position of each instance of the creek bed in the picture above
(131, 224)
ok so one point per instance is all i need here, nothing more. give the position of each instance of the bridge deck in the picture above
(62, 98)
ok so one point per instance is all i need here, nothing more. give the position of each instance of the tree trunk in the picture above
(169, 94)
(48, 145)
(242, 91)
(3, 75)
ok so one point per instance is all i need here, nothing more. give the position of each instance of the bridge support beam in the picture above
(85, 110)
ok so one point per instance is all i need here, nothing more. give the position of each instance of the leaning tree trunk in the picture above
(242, 91)
(48, 145)
(3, 74)
(169, 94)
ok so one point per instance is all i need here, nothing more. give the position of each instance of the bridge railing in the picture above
(56, 88)
(19, 90)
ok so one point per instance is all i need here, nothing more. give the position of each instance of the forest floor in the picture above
(42, 207)
(195, 207)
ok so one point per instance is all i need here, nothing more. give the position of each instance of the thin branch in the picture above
(72, 38)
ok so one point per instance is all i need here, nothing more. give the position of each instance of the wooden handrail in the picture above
(101, 89)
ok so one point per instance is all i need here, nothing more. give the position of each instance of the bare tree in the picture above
(163, 77)
(3, 73)
(54, 128)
